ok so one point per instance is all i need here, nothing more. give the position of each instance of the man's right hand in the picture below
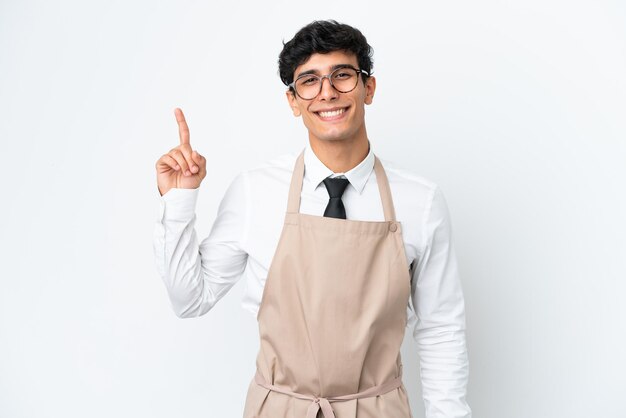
(181, 167)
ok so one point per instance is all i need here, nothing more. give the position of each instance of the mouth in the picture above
(332, 114)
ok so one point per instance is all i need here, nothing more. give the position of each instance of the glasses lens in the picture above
(308, 86)
(343, 79)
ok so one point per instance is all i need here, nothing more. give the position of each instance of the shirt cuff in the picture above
(178, 204)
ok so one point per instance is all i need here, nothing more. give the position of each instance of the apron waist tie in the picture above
(324, 403)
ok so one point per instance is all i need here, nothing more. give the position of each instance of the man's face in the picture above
(349, 123)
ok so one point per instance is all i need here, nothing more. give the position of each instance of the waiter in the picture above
(340, 252)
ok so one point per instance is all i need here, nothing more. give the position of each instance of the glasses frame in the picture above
(321, 78)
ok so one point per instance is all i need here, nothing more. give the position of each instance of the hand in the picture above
(181, 167)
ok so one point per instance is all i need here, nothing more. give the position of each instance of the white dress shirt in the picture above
(245, 234)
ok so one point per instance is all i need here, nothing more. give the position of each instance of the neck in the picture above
(340, 156)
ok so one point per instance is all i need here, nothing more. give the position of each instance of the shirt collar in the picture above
(315, 171)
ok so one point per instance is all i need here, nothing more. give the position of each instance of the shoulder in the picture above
(276, 166)
(272, 167)
(419, 199)
(409, 183)
(267, 178)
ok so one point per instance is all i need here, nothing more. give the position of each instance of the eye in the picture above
(344, 74)
(307, 81)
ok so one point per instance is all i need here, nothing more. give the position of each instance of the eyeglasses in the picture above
(343, 79)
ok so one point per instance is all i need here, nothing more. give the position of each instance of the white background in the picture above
(516, 109)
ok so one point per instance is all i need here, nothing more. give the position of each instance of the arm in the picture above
(439, 330)
(198, 275)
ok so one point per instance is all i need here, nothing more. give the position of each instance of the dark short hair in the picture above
(323, 36)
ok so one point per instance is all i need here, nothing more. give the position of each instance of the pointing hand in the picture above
(181, 167)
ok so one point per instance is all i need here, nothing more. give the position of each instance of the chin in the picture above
(331, 138)
(332, 135)
(338, 132)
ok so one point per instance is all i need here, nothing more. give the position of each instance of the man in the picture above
(338, 251)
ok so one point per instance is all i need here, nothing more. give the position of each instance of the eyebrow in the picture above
(333, 68)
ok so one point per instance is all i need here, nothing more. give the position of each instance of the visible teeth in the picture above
(330, 114)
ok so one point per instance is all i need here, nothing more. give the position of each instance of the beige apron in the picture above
(332, 317)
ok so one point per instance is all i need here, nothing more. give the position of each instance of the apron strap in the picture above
(384, 190)
(295, 188)
(318, 403)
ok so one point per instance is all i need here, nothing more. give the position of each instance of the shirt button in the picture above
(393, 227)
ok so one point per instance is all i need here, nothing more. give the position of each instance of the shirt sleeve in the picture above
(198, 275)
(439, 326)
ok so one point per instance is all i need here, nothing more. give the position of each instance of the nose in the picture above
(327, 92)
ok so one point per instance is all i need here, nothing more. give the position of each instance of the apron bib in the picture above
(332, 316)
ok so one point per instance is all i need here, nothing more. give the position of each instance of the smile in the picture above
(331, 114)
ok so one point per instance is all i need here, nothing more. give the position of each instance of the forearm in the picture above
(177, 255)
(444, 371)
(179, 265)
(198, 275)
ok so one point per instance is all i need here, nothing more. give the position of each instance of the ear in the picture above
(291, 99)
(370, 88)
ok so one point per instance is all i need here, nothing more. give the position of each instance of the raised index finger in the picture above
(183, 129)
